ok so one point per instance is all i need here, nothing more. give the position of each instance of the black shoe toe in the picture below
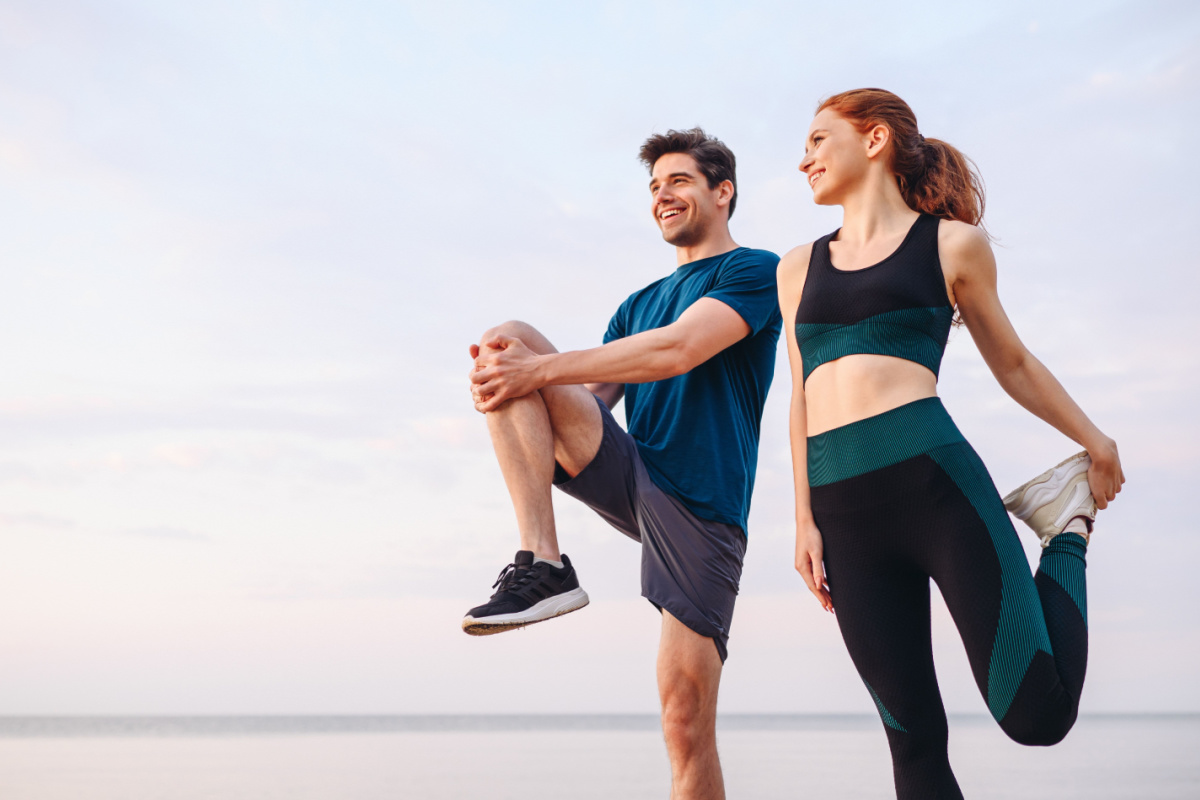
(494, 608)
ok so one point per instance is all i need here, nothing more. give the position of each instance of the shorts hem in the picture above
(720, 640)
(562, 479)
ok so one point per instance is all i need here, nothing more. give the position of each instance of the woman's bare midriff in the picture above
(858, 386)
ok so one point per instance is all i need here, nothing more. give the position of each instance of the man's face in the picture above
(683, 205)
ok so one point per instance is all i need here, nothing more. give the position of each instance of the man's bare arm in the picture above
(706, 328)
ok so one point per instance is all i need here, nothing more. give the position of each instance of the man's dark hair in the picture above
(715, 160)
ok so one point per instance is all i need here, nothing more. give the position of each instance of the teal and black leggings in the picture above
(901, 498)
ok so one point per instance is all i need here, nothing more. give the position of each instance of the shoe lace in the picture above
(513, 577)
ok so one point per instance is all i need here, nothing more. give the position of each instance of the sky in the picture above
(245, 246)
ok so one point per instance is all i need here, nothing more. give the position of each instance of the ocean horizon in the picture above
(155, 725)
(544, 756)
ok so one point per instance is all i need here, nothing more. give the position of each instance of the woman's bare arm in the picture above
(971, 271)
(793, 268)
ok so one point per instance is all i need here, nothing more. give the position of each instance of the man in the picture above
(693, 354)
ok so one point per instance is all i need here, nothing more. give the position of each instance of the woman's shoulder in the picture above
(796, 260)
(961, 239)
(792, 270)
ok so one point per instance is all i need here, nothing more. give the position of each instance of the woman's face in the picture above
(836, 157)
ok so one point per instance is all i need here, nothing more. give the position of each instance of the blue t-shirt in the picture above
(698, 432)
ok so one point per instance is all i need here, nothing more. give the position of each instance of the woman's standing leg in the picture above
(882, 604)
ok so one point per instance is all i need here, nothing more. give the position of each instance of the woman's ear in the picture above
(876, 139)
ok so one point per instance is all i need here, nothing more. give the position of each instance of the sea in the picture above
(571, 757)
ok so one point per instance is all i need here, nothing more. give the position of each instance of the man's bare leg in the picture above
(530, 433)
(524, 445)
(689, 673)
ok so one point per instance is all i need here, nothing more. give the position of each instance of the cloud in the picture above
(166, 532)
(41, 522)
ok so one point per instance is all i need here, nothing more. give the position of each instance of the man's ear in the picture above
(877, 139)
(724, 192)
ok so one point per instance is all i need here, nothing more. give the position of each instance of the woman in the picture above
(888, 493)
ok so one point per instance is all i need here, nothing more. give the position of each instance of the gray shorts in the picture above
(690, 566)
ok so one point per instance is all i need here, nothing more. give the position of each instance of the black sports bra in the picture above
(897, 307)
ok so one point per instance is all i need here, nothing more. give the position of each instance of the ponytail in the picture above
(934, 177)
(945, 183)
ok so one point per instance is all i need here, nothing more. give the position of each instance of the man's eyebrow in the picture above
(674, 175)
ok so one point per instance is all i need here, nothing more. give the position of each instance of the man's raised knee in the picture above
(530, 336)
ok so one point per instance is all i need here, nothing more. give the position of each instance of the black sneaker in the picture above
(527, 593)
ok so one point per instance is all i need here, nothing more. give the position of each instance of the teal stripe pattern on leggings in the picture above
(887, 718)
(924, 427)
(1022, 629)
(880, 441)
(1064, 560)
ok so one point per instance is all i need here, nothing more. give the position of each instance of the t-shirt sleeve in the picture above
(617, 325)
(747, 285)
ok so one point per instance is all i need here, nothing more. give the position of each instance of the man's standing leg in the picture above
(689, 673)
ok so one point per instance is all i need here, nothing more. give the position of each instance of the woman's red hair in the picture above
(933, 176)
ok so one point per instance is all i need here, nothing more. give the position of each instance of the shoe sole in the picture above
(549, 608)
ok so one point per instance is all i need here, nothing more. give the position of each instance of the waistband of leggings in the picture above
(880, 441)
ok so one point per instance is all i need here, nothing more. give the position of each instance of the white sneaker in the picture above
(1051, 500)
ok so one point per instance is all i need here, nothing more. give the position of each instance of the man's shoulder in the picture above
(749, 259)
(753, 254)
(746, 264)
(738, 260)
